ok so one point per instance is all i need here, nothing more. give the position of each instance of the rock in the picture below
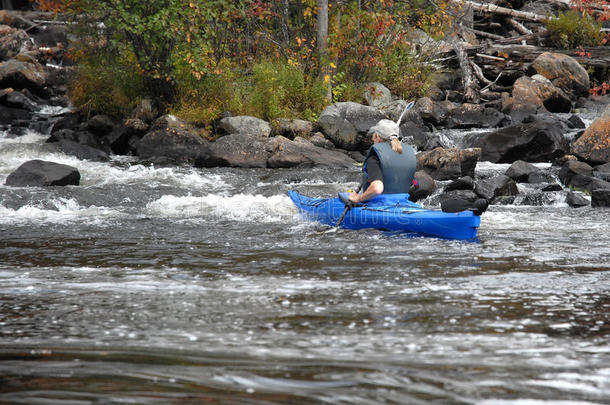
(540, 176)
(602, 172)
(13, 42)
(564, 72)
(238, 150)
(118, 141)
(291, 128)
(579, 175)
(537, 94)
(167, 122)
(17, 99)
(81, 151)
(80, 136)
(594, 144)
(100, 125)
(376, 94)
(463, 183)
(541, 141)
(174, 145)
(434, 112)
(10, 115)
(520, 171)
(354, 154)
(496, 186)
(146, 112)
(22, 75)
(320, 141)
(37, 173)
(448, 164)
(245, 125)
(552, 187)
(346, 124)
(600, 198)
(293, 154)
(474, 116)
(136, 126)
(576, 122)
(425, 186)
(462, 200)
(71, 121)
(576, 200)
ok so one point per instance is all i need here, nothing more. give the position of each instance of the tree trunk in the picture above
(493, 9)
(322, 44)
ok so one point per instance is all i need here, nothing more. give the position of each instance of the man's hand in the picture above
(354, 197)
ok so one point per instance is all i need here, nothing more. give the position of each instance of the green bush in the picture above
(573, 29)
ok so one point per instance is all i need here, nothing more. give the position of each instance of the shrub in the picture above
(573, 29)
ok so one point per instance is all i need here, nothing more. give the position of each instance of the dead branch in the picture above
(493, 9)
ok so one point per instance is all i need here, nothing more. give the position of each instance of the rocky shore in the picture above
(527, 125)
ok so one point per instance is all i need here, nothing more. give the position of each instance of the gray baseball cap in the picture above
(386, 129)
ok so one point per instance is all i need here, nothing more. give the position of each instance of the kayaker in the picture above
(390, 165)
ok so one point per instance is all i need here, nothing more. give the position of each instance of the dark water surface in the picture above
(153, 285)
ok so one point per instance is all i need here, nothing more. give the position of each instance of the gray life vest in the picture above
(398, 169)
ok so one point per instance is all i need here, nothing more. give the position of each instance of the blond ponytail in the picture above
(396, 145)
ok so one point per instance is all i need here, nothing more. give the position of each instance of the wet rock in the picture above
(136, 126)
(38, 173)
(238, 150)
(354, 154)
(174, 146)
(146, 112)
(434, 112)
(463, 183)
(292, 128)
(600, 198)
(520, 171)
(81, 151)
(301, 154)
(602, 172)
(579, 175)
(541, 141)
(462, 200)
(70, 120)
(564, 72)
(167, 122)
(496, 186)
(575, 199)
(10, 115)
(425, 186)
(552, 187)
(346, 124)
(100, 125)
(376, 94)
(594, 144)
(537, 94)
(117, 141)
(448, 164)
(17, 99)
(474, 116)
(576, 122)
(19, 74)
(245, 125)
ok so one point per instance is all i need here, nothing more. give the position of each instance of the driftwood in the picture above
(471, 87)
(493, 9)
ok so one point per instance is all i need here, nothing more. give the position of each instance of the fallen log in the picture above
(493, 9)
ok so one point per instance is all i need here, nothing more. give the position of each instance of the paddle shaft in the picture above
(348, 206)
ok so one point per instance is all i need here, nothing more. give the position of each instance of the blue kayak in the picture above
(390, 212)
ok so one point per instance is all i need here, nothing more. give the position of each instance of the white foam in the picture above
(66, 210)
(239, 207)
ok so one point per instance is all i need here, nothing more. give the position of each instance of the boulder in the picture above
(376, 94)
(10, 115)
(238, 150)
(319, 140)
(38, 173)
(579, 175)
(564, 72)
(536, 94)
(461, 200)
(82, 151)
(136, 126)
(600, 198)
(540, 141)
(70, 120)
(13, 42)
(19, 74)
(346, 124)
(425, 186)
(575, 199)
(463, 183)
(17, 99)
(434, 112)
(474, 116)
(520, 171)
(174, 146)
(168, 122)
(291, 128)
(100, 125)
(245, 125)
(302, 154)
(117, 140)
(448, 164)
(145, 111)
(602, 172)
(576, 122)
(594, 144)
(496, 186)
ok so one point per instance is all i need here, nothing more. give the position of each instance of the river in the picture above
(175, 285)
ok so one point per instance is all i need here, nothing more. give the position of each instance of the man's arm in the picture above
(373, 190)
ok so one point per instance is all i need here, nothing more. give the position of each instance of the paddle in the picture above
(348, 206)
